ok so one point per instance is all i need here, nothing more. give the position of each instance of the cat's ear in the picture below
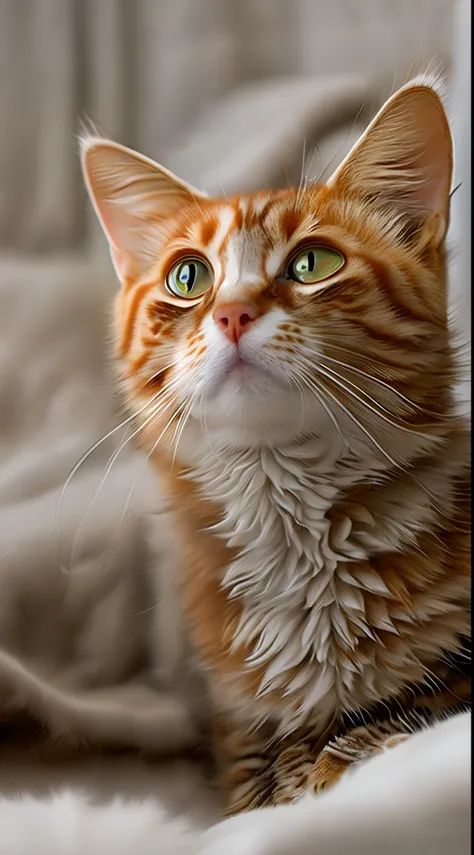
(404, 160)
(134, 199)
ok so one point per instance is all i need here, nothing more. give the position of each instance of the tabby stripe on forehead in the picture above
(238, 223)
(208, 230)
(290, 222)
(263, 213)
(223, 244)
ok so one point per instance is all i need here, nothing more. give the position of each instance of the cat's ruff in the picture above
(297, 599)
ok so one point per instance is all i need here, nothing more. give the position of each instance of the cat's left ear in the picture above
(404, 161)
(135, 200)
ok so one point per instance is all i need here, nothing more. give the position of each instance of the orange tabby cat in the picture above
(287, 358)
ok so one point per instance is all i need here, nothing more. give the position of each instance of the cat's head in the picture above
(303, 311)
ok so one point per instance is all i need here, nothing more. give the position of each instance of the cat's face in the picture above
(271, 315)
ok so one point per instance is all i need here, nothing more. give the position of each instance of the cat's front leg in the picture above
(300, 767)
(412, 799)
(244, 764)
(305, 765)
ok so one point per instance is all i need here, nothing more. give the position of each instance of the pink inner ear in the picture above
(126, 233)
(434, 186)
(123, 264)
(119, 224)
(133, 198)
(404, 156)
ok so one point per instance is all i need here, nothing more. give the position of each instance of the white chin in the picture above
(250, 407)
(247, 403)
(247, 380)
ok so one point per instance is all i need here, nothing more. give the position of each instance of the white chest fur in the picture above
(301, 574)
(291, 574)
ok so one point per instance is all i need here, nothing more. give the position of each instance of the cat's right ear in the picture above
(135, 199)
(403, 162)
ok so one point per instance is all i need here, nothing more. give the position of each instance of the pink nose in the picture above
(235, 318)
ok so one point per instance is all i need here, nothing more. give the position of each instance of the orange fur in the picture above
(375, 343)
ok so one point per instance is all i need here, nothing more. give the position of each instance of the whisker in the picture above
(365, 431)
(412, 404)
(186, 413)
(310, 163)
(368, 376)
(337, 153)
(180, 427)
(157, 374)
(301, 183)
(203, 421)
(319, 392)
(160, 408)
(296, 381)
(90, 451)
(135, 482)
(398, 464)
(378, 410)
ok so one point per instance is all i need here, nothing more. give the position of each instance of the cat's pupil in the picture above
(187, 277)
(307, 263)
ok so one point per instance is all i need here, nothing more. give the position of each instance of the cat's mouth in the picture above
(243, 368)
(232, 375)
(240, 370)
(247, 373)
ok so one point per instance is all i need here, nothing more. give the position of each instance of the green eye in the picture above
(314, 264)
(189, 278)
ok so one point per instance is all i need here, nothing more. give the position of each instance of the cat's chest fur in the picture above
(298, 602)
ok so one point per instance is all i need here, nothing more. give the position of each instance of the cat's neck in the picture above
(296, 510)
(275, 505)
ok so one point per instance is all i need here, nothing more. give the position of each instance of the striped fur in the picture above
(318, 472)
